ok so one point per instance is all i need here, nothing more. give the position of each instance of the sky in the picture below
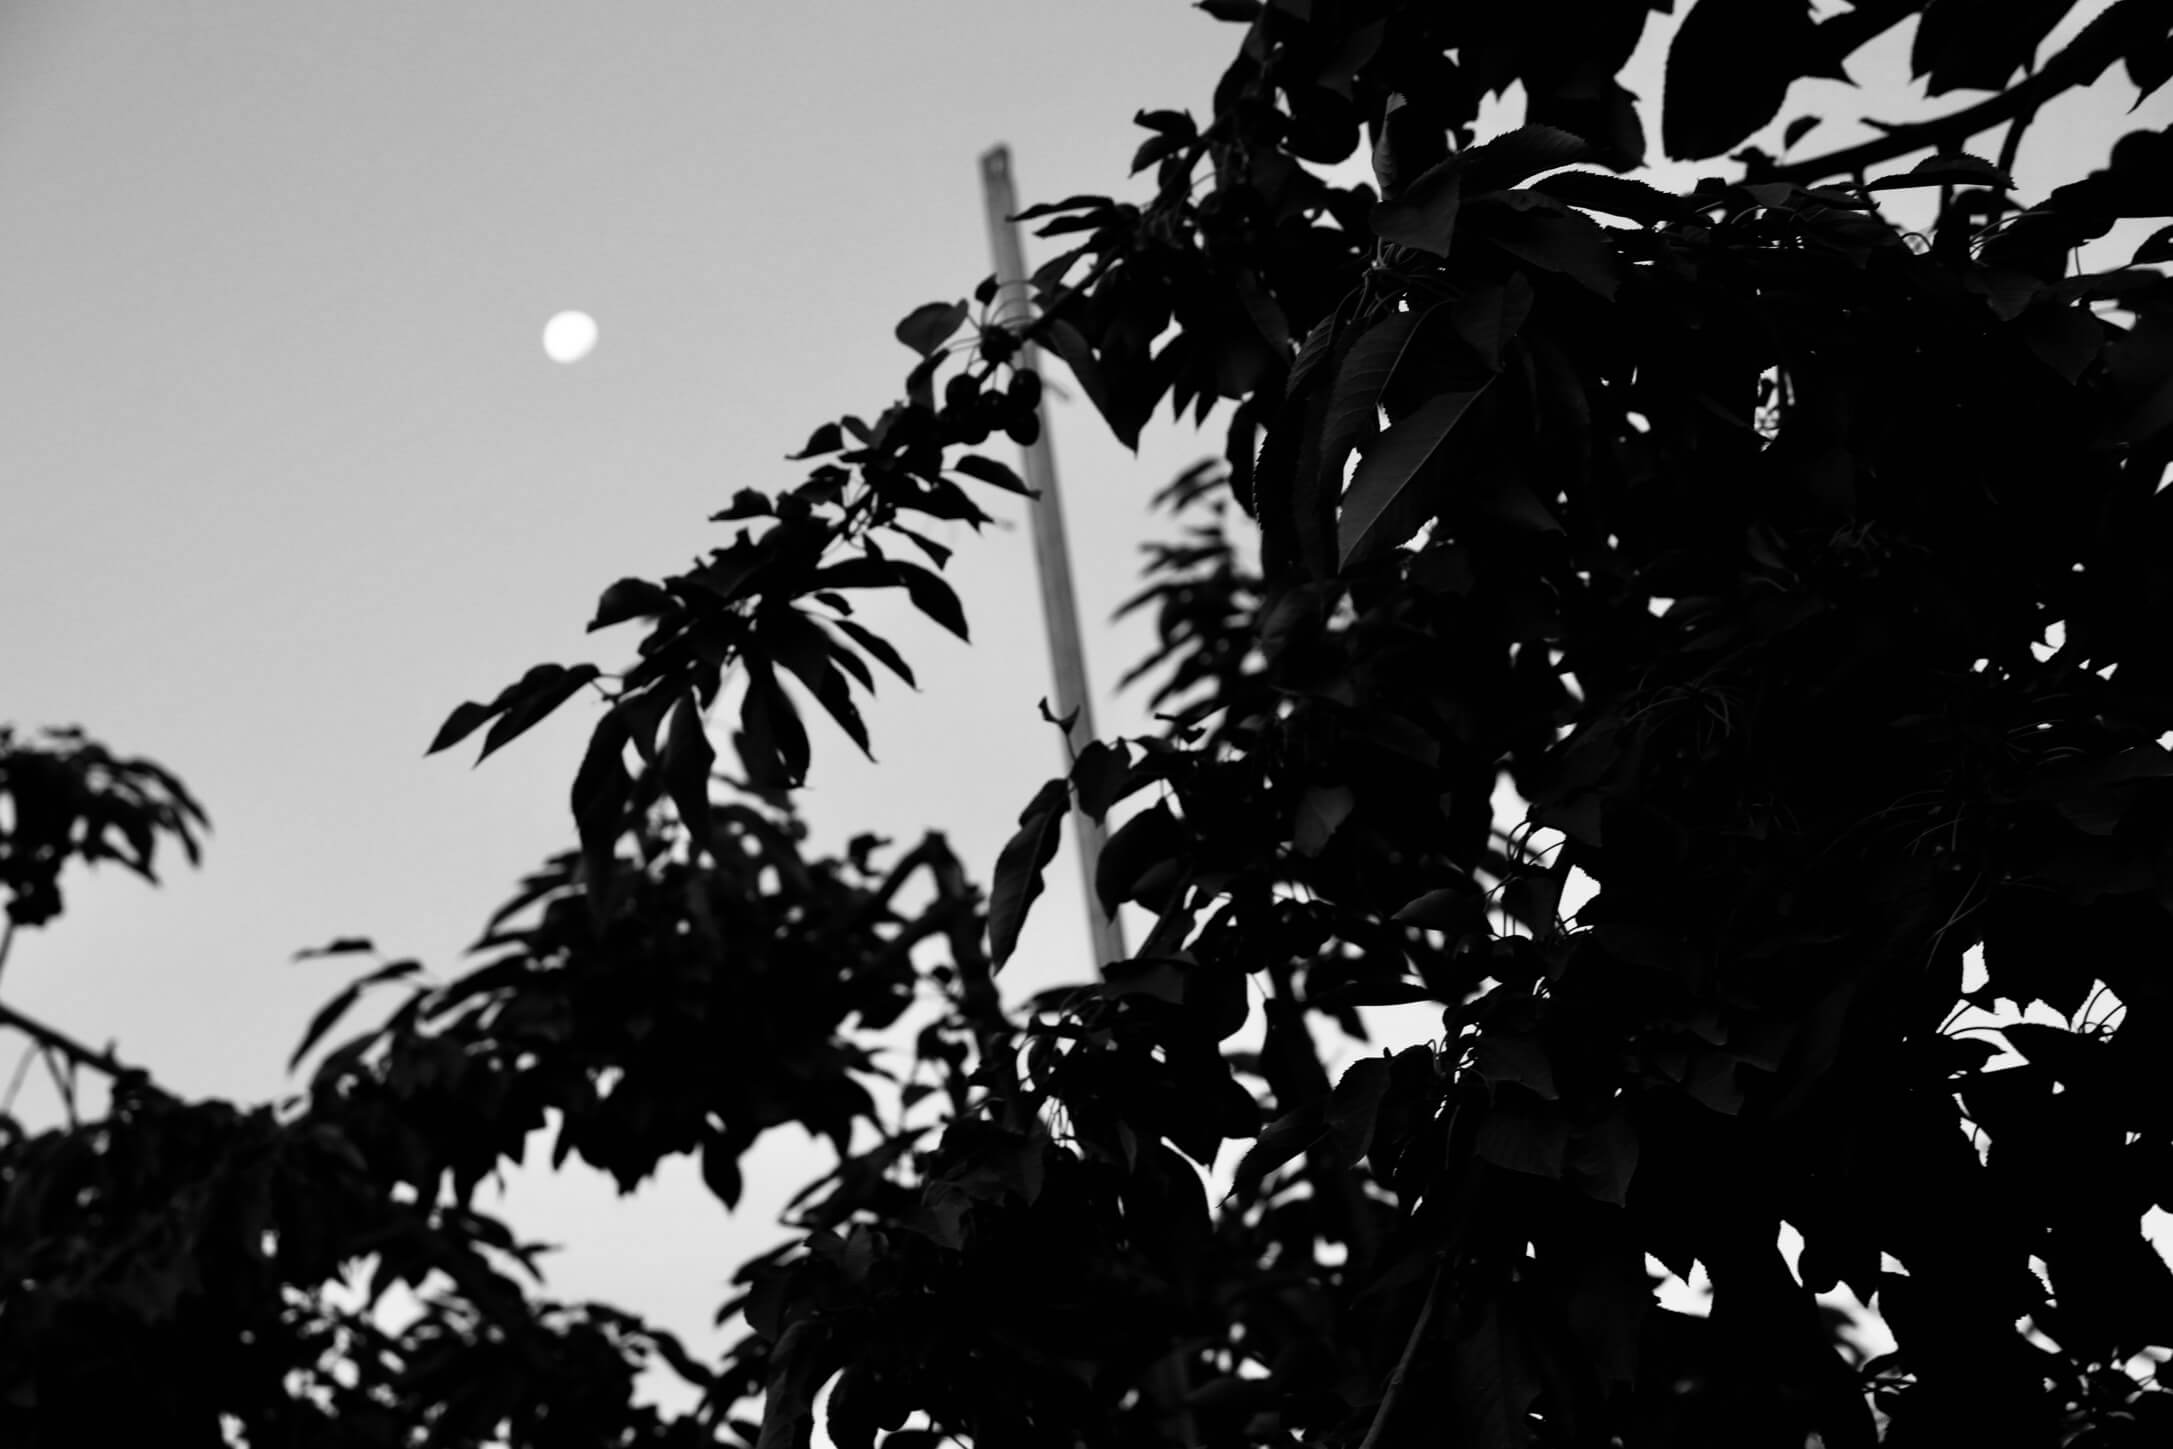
(286, 472)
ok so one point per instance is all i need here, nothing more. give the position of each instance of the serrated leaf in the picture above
(1388, 468)
(1515, 156)
(1615, 196)
(1954, 169)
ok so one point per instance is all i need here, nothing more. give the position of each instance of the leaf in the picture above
(1354, 406)
(343, 946)
(881, 648)
(799, 643)
(600, 790)
(1447, 909)
(1535, 228)
(1285, 1138)
(1616, 196)
(933, 597)
(1514, 157)
(1518, 1059)
(828, 438)
(1355, 1105)
(1143, 843)
(1103, 775)
(329, 1014)
(465, 720)
(1961, 45)
(630, 599)
(930, 325)
(989, 471)
(1369, 511)
(1952, 169)
(2157, 247)
(1490, 318)
(1019, 868)
(1321, 811)
(1424, 217)
(773, 742)
(519, 707)
(1728, 70)
(687, 762)
(1797, 129)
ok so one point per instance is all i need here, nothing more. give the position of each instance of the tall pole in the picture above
(1052, 556)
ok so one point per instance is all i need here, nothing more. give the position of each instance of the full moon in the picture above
(569, 336)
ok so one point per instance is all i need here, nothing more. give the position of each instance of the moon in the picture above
(569, 337)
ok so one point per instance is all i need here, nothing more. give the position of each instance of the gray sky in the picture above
(286, 474)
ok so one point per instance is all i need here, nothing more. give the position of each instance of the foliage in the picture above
(1805, 575)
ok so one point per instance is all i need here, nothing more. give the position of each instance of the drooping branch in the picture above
(2101, 43)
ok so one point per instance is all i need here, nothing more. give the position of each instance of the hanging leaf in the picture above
(600, 790)
(881, 648)
(1369, 510)
(773, 742)
(930, 325)
(1286, 1138)
(1355, 1106)
(687, 762)
(328, 1016)
(1103, 775)
(1019, 868)
(1140, 847)
(799, 643)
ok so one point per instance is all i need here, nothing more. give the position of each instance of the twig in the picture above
(63, 1083)
(2099, 45)
(7, 939)
(59, 1041)
(1403, 1365)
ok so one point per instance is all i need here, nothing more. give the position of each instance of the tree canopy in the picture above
(1806, 575)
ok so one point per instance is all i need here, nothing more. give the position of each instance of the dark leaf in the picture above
(932, 597)
(343, 946)
(600, 790)
(1355, 1105)
(878, 646)
(1949, 170)
(1615, 196)
(1019, 868)
(529, 702)
(465, 720)
(828, 438)
(1285, 1138)
(1424, 216)
(1103, 775)
(1514, 157)
(1447, 909)
(329, 1014)
(1796, 131)
(687, 763)
(989, 471)
(1369, 513)
(2157, 247)
(631, 599)
(1142, 845)
(773, 742)
(1321, 812)
(1728, 70)
(930, 325)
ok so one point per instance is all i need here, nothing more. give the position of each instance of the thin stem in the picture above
(55, 1040)
(1403, 1364)
(7, 939)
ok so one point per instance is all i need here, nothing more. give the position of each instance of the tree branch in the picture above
(59, 1041)
(2101, 43)
(1403, 1365)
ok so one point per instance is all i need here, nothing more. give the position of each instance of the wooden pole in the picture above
(1052, 556)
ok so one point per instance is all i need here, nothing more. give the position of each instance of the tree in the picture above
(1805, 575)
